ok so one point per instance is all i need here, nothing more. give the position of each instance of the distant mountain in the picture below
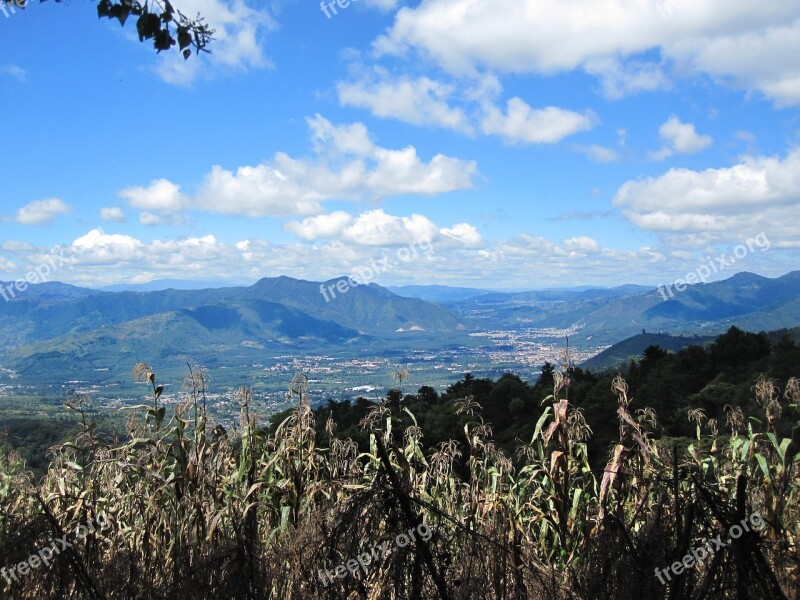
(59, 328)
(54, 291)
(370, 309)
(209, 332)
(158, 285)
(67, 323)
(633, 348)
(564, 295)
(441, 294)
(746, 300)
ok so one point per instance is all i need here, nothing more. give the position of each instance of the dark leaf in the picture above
(104, 9)
(184, 38)
(119, 12)
(166, 16)
(148, 26)
(163, 40)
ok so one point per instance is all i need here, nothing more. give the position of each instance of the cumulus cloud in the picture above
(376, 228)
(527, 260)
(115, 214)
(457, 254)
(522, 124)
(582, 245)
(42, 212)
(346, 165)
(758, 57)
(124, 251)
(757, 194)
(747, 43)
(161, 195)
(681, 138)
(463, 234)
(100, 245)
(465, 106)
(322, 226)
(420, 100)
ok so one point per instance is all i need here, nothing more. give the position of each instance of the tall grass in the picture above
(198, 512)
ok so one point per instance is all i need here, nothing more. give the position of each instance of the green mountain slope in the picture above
(633, 348)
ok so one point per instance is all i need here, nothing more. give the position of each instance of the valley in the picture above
(60, 340)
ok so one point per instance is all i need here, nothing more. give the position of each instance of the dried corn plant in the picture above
(194, 511)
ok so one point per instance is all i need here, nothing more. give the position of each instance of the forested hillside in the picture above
(715, 378)
(573, 487)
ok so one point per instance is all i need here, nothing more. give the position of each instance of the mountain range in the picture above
(57, 326)
(746, 300)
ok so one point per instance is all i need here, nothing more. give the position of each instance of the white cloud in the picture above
(237, 45)
(124, 251)
(114, 213)
(376, 228)
(618, 79)
(98, 245)
(760, 57)
(17, 246)
(527, 260)
(284, 188)
(599, 153)
(459, 105)
(41, 212)
(758, 194)
(149, 219)
(347, 165)
(420, 101)
(7, 266)
(582, 245)
(402, 172)
(322, 226)
(161, 195)
(750, 44)
(681, 138)
(464, 234)
(523, 124)
(335, 140)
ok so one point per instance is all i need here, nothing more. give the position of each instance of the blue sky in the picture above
(524, 143)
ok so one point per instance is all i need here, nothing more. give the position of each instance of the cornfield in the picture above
(194, 511)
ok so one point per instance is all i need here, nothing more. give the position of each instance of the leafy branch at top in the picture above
(160, 22)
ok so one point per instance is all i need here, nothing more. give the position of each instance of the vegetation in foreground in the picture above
(195, 511)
